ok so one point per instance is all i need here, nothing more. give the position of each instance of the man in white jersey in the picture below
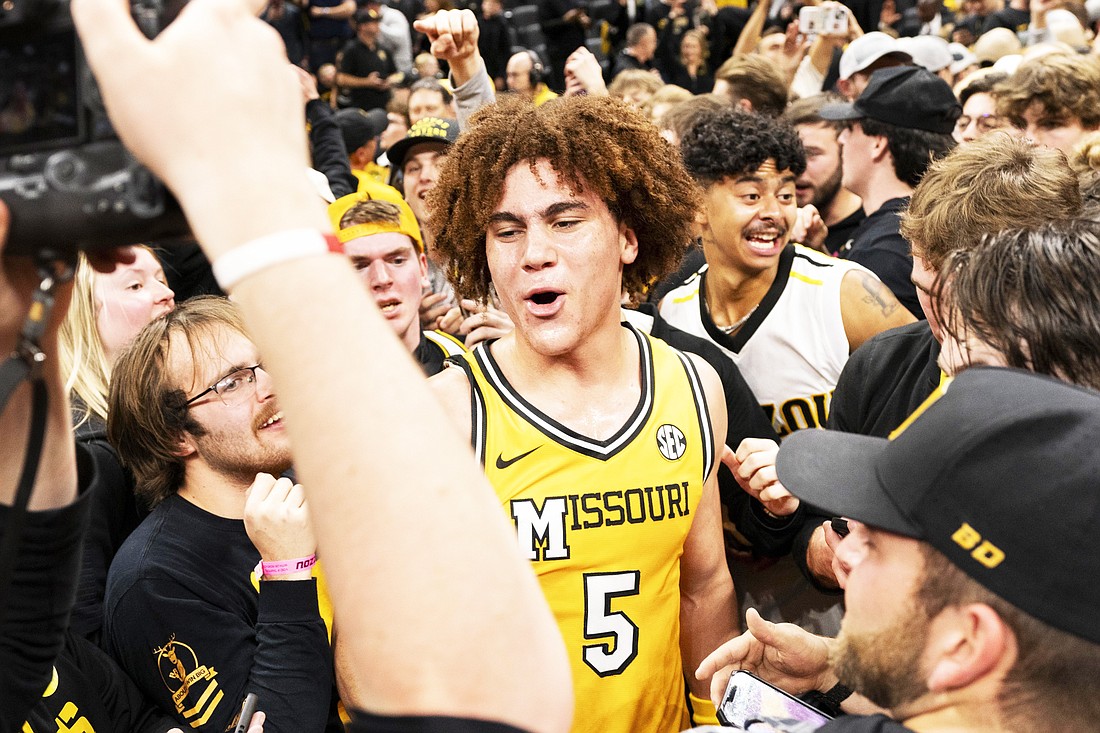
(786, 315)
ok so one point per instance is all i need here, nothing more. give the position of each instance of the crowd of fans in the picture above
(775, 340)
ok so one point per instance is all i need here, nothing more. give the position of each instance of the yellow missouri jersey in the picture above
(604, 524)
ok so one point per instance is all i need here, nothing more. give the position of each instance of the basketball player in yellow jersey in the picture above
(600, 441)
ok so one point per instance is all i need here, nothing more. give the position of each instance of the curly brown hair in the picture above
(596, 144)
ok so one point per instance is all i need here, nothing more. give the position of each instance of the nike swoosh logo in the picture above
(501, 463)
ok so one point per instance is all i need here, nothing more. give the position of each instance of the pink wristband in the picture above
(285, 567)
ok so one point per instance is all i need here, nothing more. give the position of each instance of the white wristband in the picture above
(264, 252)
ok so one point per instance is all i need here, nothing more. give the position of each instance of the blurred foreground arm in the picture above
(438, 537)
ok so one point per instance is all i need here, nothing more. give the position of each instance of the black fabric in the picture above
(863, 724)
(877, 244)
(114, 514)
(736, 341)
(429, 356)
(670, 31)
(884, 381)
(701, 84)
(495, 45)
(723, 30)
(625, 62)
(179, 602)
(843, 231)
(358, 60)
(1011, 18)
(93, 694)
(39, 599)
(906, 96)
(329, 154)
(562, 37)
(689, 265)
(367, 723)
(187, 269)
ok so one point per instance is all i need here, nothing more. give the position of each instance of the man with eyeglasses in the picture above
(194, 416)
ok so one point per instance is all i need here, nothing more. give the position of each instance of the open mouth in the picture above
(388, 306)
(275, 419)
(764, 242)
(545, 297)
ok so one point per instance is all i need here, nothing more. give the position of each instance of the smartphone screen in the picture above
(753, 704)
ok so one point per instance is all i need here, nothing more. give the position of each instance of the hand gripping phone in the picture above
(751, 704)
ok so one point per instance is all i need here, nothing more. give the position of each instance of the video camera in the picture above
(65, 177)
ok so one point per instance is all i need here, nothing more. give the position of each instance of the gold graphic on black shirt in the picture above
(186, 678)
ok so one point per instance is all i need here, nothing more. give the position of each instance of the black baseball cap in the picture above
(359, 127)
(425, 130)
(1001, 474)
(903, 96)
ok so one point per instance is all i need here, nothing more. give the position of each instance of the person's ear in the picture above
(628, 242)
(186, 445)
(880, 147)
(425, 281)
(967, 644)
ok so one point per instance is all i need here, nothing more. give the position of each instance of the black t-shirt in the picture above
(877, 244)
(91, 693)
(885, 380)
(841, 232)
(183, 619)
(358, 60)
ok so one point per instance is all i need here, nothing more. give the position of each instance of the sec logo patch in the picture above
(671, 442)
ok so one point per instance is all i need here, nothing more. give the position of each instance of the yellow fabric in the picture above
(702, 711)
(543, 94)
(408, 224)
(373, 173)
(617, 515)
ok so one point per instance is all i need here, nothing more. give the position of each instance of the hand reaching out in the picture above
(753, 465)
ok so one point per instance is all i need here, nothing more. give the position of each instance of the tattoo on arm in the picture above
(876, 295)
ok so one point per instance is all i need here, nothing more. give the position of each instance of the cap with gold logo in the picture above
(1000, 473)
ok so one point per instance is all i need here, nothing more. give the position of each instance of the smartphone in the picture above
(835, 22)
(751, 703)
(811, 20)
(840, 526)
(248, 708)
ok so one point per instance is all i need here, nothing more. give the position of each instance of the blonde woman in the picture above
(107, 311)
(690, 71)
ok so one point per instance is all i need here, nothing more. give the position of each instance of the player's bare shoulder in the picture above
(868, 307)
(452, 388)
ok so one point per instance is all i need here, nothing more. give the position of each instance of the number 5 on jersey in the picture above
(610, 657)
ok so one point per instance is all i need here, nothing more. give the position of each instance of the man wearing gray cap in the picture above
(898, 125)
(970, 601)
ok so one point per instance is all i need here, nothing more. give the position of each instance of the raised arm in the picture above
(404, 532)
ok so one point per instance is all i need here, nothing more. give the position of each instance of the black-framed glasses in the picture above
(233, 387)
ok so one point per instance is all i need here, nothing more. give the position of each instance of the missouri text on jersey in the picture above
(547, 527)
